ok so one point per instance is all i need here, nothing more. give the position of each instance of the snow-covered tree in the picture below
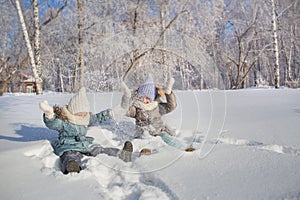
(205, 44)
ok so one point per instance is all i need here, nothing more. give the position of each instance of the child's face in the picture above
(146, 100)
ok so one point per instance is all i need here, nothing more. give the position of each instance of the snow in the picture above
(248, 147)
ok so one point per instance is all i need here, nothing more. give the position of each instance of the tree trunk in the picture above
(288, 56)
(4, 83)
(276, 52)
(79, 65)
(61, 80)
(75, 75)
(80, 41)
(244, 81)
(135, 52)
(166, 70)
(38, 79)
(230, 77)
(218, 9)
(201, 81)
(37, 39)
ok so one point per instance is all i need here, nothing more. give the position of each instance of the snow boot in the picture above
(145, 151)
(126, 153)
(71, 162)
(190, 149)
(73, 166)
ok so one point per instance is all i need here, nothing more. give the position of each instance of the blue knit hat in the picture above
(147, 89)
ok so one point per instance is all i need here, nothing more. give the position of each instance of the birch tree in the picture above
(276, 51)
(36, 73)
(79, 63)
(288, 37)
(37, 44)
(135, 33)
(166, 69)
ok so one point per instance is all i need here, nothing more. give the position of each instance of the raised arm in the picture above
(171, 104)
(54, 123)
(126, 96)
(49, 118)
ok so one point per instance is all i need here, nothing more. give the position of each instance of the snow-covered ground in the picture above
(248, 145)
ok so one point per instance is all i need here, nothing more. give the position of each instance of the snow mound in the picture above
(44, 152)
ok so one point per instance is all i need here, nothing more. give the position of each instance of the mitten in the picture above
(105, 115)
(118, 113)
(48, 110)
(125, 89)
(169, 86)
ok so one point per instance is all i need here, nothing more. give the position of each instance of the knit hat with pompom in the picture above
(79, 102)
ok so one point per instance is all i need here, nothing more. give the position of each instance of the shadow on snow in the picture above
(29, 133)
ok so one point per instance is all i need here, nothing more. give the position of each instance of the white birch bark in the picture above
(276, 52)
(38, 80)
(37, 39)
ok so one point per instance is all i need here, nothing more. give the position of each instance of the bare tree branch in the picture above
(139, 57)
(55, 15)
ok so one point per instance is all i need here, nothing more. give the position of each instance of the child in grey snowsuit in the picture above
(72, 122)
(147, 109)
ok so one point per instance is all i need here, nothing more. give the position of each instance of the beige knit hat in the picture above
(79, 102)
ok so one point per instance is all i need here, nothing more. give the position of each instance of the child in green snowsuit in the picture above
(72, 122)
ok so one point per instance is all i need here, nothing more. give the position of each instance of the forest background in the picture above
(225, 44)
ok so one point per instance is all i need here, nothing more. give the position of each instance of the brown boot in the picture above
(190, 149)
(145, 151)
(73, 166)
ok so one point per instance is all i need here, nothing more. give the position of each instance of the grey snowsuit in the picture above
(148, 116)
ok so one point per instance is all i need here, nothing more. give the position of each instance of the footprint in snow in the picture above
(259, 145)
